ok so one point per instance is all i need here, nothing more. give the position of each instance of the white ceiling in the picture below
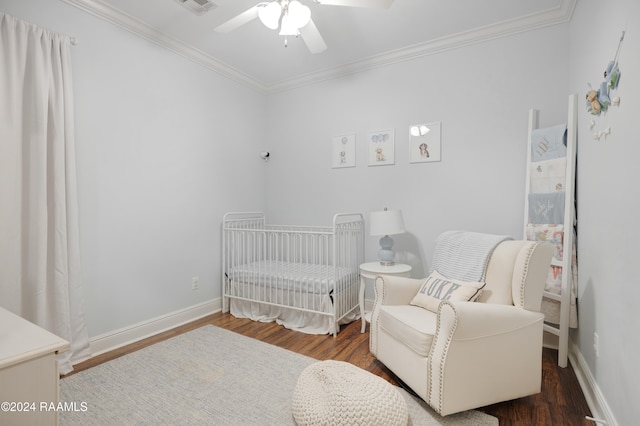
(357, 38)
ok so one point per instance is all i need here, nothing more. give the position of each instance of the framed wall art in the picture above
(381, 146)
(425, 142)
(344, 151)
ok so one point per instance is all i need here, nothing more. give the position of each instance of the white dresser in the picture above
(28, 372)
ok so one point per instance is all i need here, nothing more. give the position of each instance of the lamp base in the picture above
(385, 254)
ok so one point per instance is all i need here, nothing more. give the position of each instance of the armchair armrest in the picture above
(479, 320)
(476, 349)
(395, 290)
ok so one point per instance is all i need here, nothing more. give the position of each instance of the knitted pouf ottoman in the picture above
(339, 393)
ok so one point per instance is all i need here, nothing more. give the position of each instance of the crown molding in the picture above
(545, 18)
(127, 22)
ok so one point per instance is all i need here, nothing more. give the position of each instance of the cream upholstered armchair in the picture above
(467, 354)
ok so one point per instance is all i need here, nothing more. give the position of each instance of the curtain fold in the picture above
(40, 277)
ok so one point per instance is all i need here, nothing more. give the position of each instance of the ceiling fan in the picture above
(294, 18)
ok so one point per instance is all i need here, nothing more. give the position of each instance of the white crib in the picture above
(304, 277)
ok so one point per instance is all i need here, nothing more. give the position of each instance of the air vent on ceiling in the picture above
(198, 6)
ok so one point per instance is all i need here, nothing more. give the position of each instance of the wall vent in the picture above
(198, 6)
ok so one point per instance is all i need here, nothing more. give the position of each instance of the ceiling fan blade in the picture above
(239, 20)
(378, 4)
(312, 38)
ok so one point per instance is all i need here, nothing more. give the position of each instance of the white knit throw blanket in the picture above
(464, 255)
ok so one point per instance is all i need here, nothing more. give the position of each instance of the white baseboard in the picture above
(600, 412)
(124, 336)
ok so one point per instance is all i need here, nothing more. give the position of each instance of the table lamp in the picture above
(385, 223)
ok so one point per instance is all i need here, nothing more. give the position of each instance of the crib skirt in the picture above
(294, 319)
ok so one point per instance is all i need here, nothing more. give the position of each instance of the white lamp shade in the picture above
(270, 15)
(387, 222)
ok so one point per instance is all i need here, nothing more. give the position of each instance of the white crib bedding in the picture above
(293, 319)
(301, 277)
(262, 291)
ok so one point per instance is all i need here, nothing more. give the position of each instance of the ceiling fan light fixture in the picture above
(287, 27)
(270, 15)
(299, 14)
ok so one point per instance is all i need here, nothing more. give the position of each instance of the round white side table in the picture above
(370, 270)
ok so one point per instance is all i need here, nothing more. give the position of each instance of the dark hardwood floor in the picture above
(561, 401)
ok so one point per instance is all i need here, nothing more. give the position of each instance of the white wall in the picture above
(479, 93)
(609, 204)
(164, 149)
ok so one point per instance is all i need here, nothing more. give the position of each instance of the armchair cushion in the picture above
(437, 288)
(412, 326)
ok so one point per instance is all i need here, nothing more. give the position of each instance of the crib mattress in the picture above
(304, 277)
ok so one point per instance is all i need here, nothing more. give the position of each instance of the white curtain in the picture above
(39, 244)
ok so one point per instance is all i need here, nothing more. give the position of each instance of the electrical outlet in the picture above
(596, 344)
(195, 283)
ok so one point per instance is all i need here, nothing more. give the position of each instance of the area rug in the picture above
(208, 376)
